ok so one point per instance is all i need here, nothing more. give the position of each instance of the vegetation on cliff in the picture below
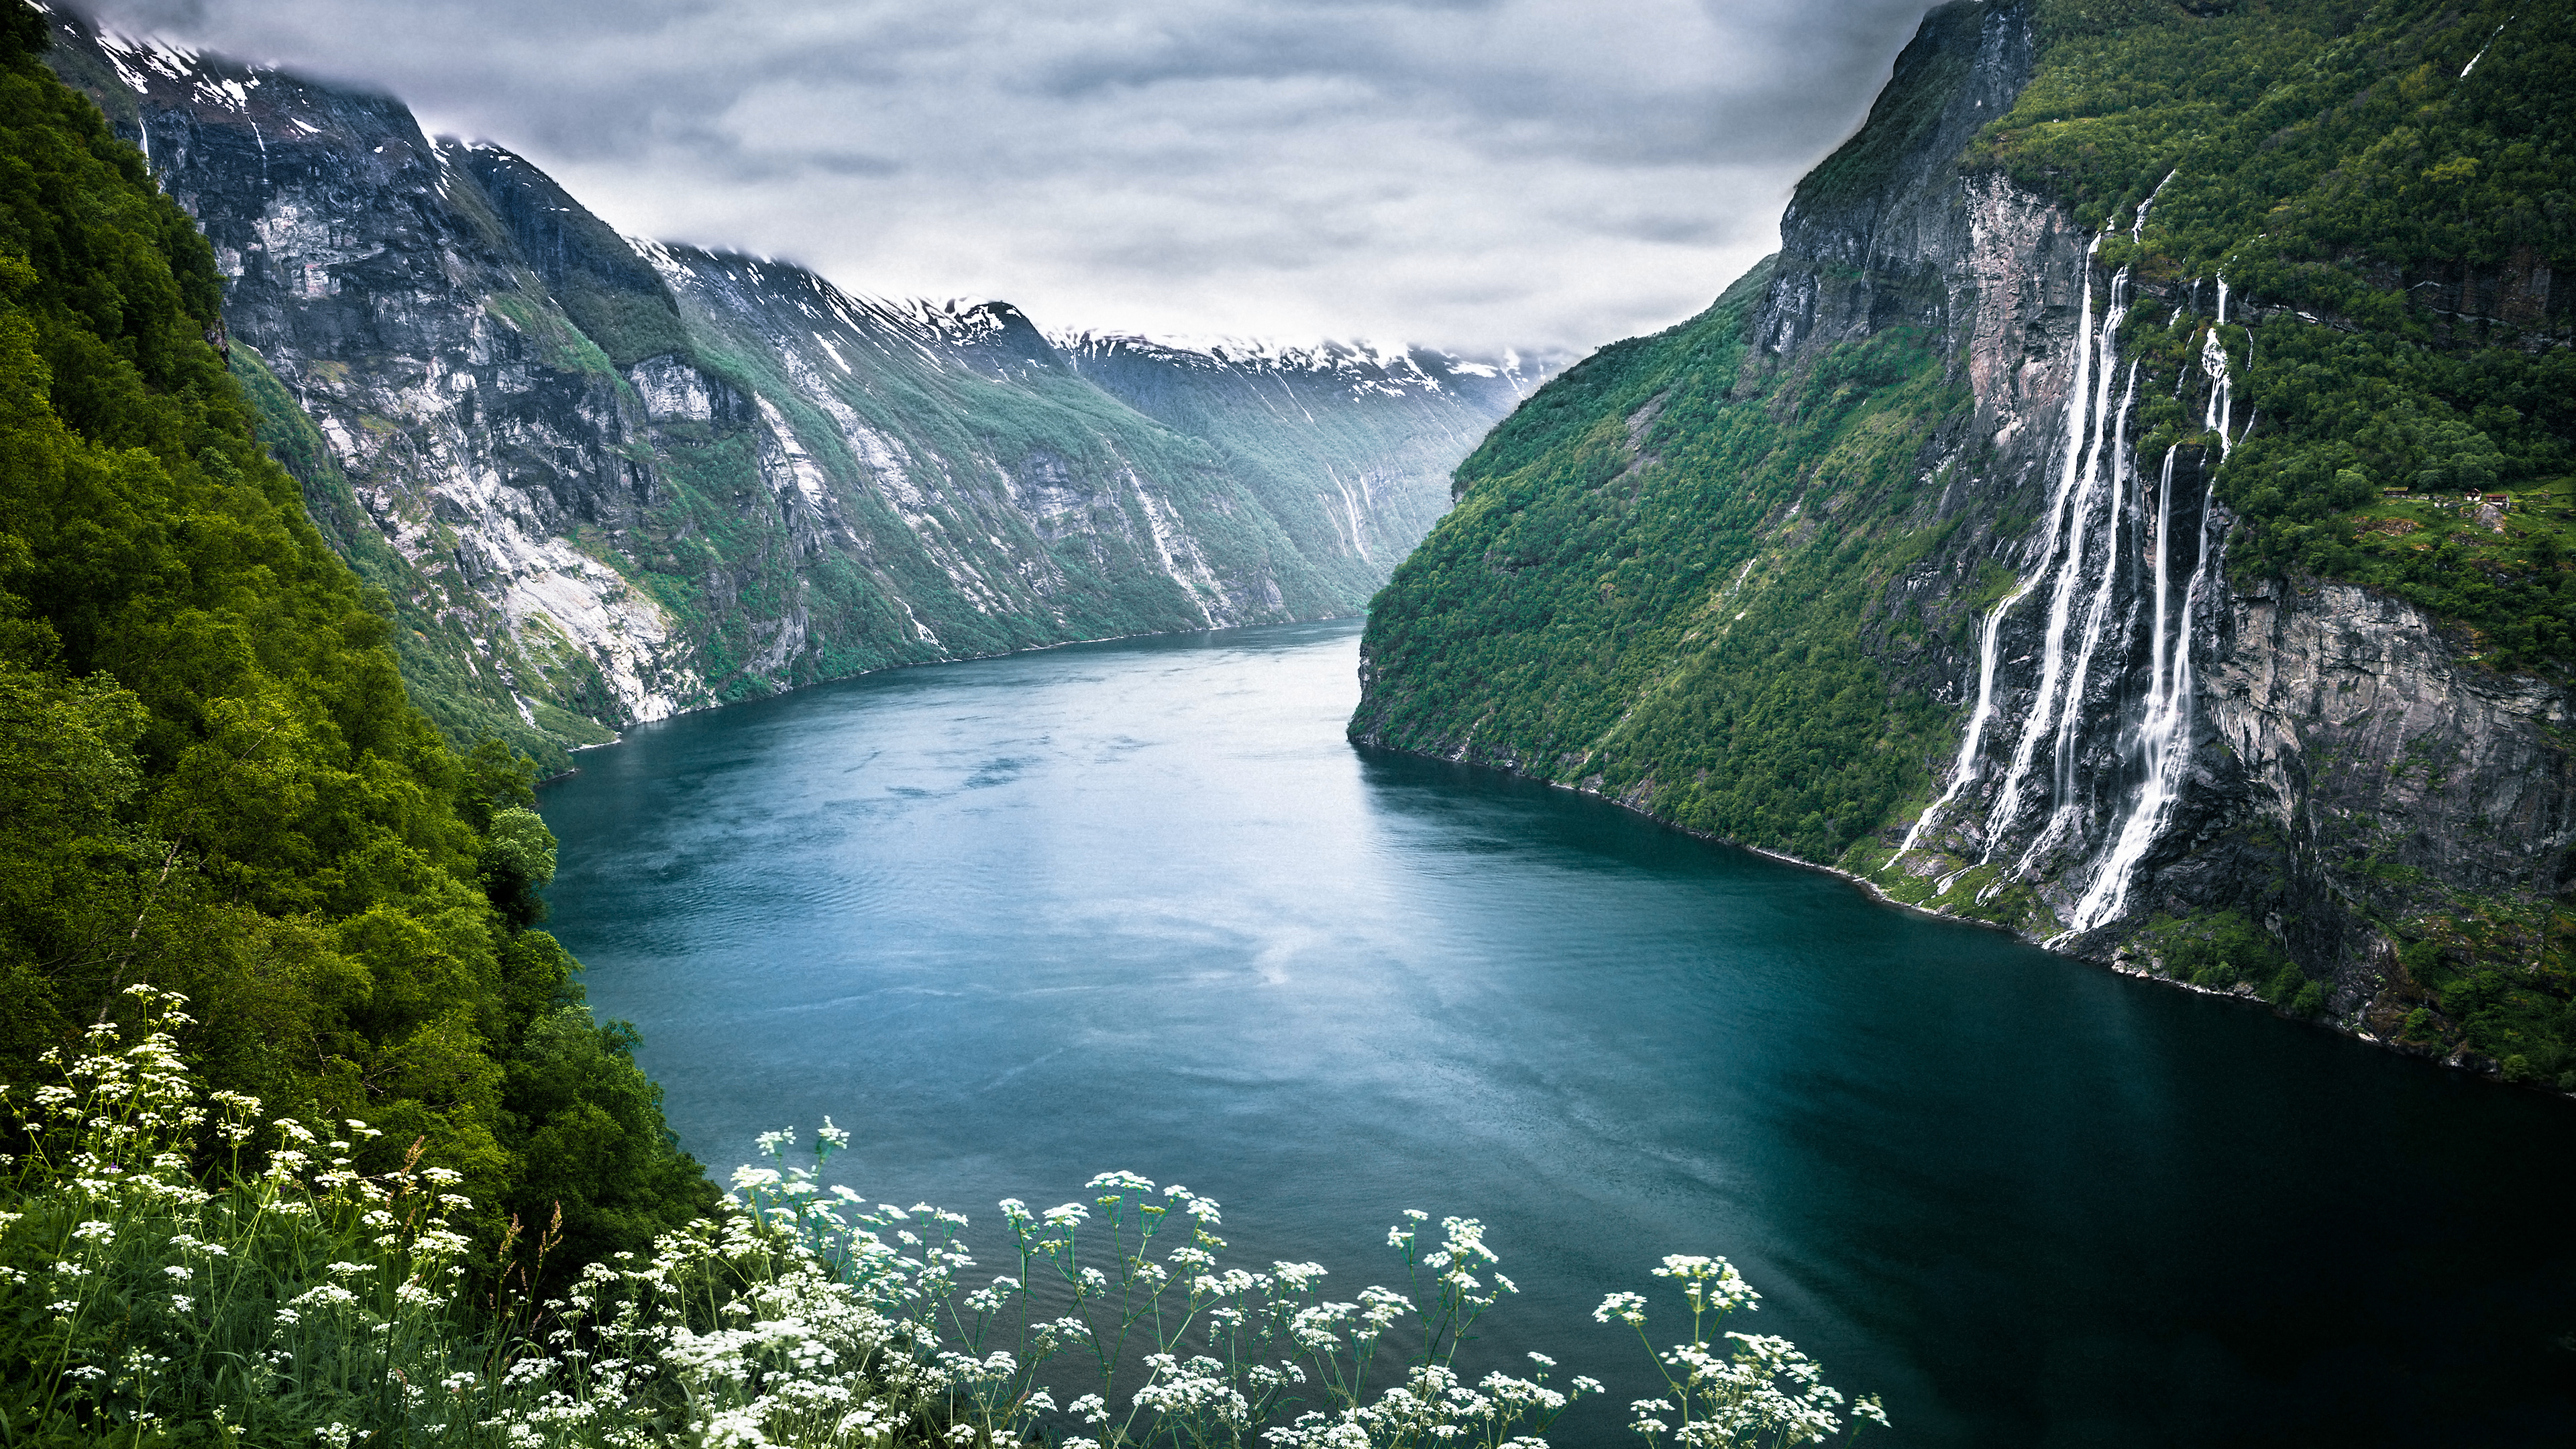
(210, 775)
(2392, 187)
(1686, 573)
(1590, 610)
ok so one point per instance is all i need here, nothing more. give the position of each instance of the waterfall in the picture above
(2164, 734)
(2093, 494)
(2222, 392)
(2070, 720)
(2163, 551)
(2101, 609)
(2086, 417)
(2138, 223)
(1972, 743)
(1966, 768)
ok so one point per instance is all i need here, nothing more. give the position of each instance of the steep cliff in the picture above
(602, 480)
(1982, 542)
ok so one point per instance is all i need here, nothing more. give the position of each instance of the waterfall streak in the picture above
(2138, 223)
(1972, 743)
(2162, 548)
(2085, 418)
(2164, 736)
(1969, 744)
(2095, 620)
(2222, 393)
(2080, 411)
(2112, 461)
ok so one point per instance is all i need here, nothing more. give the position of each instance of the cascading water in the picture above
(2093, 493)
(1971, 744)
(1974, 739)
(2164, 733)
(2222, 393)
(2098, 617)
(2088, 419)
(2138, 223)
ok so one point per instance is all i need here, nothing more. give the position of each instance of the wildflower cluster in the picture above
(1123, 1301)
(281, 1294)
(1764, 1393)
(140, 1292)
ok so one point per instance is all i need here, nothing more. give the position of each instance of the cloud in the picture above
(1475, 173)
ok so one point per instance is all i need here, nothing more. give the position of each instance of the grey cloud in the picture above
(1457, 172)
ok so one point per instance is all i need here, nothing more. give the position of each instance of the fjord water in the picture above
(1139, 905)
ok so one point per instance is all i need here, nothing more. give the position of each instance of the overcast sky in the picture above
(1462, 173)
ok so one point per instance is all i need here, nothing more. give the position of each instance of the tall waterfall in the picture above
(2100, 523)
(2078, 486)
(2164, 734)
(1971, 744)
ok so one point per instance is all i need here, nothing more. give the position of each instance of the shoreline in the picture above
(930, 663)
(2120, 964)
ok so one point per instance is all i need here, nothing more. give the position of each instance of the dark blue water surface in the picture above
(1140, 906)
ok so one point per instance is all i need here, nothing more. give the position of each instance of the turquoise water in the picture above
(1140, 906)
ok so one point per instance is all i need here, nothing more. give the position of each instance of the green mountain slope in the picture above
(1624, 597)
(210, 776)
(2023, 536)
(605, 480)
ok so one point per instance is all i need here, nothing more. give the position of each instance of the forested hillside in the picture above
(2391, 190)
(1590, 610)
(2071, 528)
(210, 777)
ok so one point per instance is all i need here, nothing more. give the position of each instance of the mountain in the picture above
(1386, 426)
(211, 780)
(601, 480)
(2131, 509)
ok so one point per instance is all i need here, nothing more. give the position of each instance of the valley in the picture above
(602, 480)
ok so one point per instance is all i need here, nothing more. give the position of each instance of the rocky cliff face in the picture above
(604, 480)
(2144, 738)
(2124, 750)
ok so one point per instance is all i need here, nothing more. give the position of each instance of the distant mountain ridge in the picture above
(604, 479)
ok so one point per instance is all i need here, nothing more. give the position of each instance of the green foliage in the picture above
(215, 780)
(261, 1300)
(1662, 585)
(2223, 950)
(2503, 1005)
(2346, 161)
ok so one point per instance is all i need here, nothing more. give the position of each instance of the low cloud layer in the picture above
(1466, 173)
